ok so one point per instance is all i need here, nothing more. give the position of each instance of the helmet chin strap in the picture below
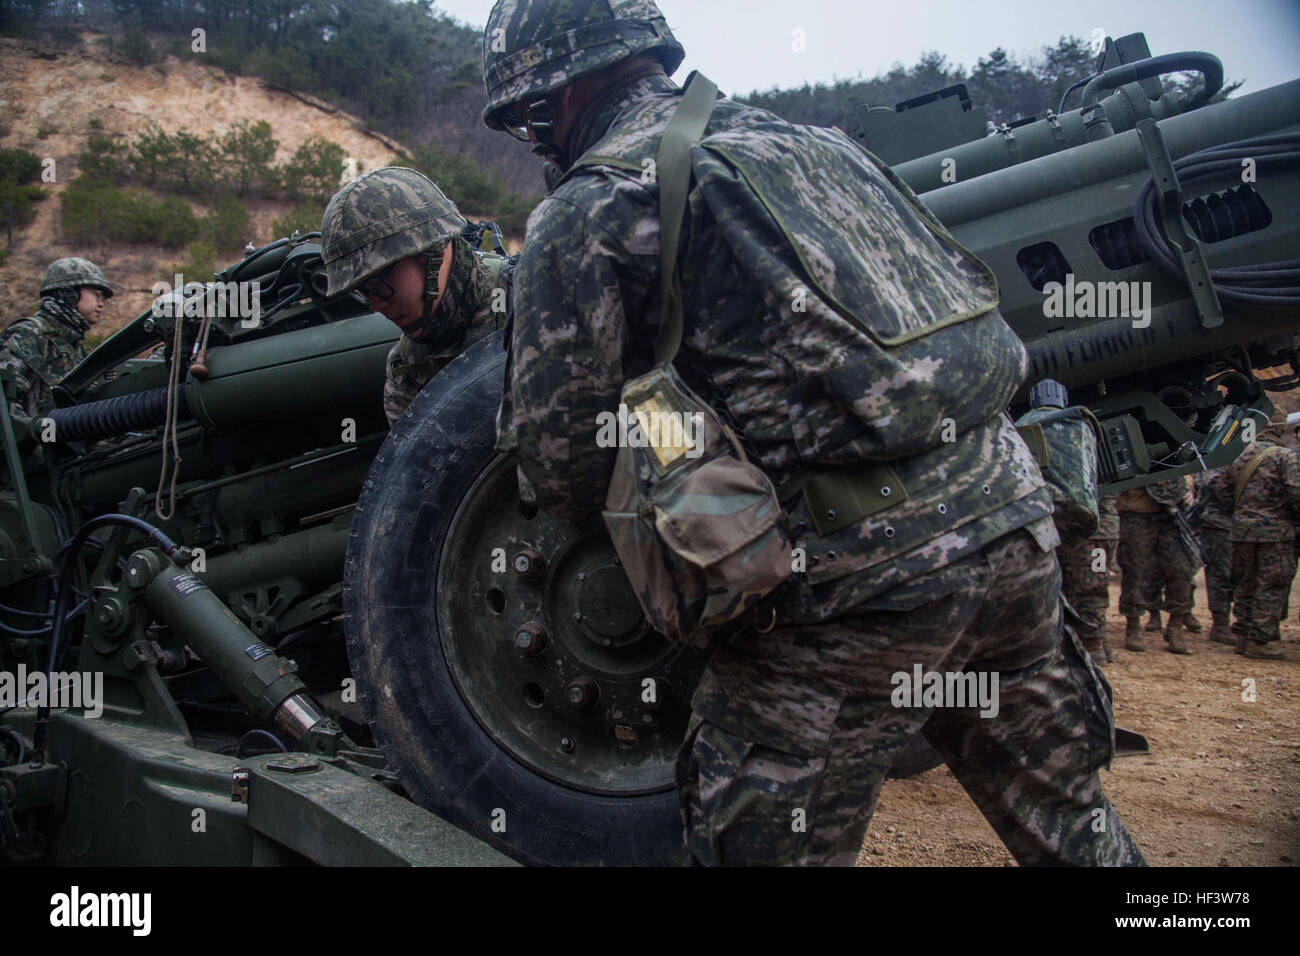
(541, 118)
(422, 329)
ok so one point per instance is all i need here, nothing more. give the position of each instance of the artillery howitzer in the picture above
(351, 581)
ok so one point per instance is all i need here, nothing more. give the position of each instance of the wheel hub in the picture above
(545, 639)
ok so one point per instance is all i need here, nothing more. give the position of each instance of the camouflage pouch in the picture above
(696, 525)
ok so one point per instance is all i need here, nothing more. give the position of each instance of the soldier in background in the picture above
(1152, 552)
(1265, 483)
(40, 350)
(1085, 579)
(1213, 524)
(796, 720)
(393, 236)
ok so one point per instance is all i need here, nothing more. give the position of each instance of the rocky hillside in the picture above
(51, 105)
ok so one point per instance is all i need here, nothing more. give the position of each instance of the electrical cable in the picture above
(19, 632)
(1269, 283)
(239, 750)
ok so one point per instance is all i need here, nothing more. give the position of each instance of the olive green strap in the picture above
(673, 170)
(1247, 472)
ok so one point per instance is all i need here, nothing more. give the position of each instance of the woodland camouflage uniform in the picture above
(797, 723)
(1213, 527)
(1085, 577)
(385, 216)
(1152, 556)
(38, 351)
(1263, 538)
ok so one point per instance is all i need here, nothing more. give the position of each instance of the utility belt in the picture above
(847, 519)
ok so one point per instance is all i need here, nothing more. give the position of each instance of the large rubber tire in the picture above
(440, 752)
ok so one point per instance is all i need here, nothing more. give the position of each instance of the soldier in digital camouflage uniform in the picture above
(1151, 553)
(793, 730)
(1266, 506)
(1213, 530)
(393, 236)
(39, 351)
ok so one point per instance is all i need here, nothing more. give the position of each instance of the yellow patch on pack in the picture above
(662, 426)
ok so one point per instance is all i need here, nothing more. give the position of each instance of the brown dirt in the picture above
(1221, 786)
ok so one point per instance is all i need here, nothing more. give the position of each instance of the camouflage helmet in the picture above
(534, 47)
(380, 218)
(73, 272)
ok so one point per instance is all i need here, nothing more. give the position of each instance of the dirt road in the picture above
(1221, 786)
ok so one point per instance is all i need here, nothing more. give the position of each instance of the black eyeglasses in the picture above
(377, 286)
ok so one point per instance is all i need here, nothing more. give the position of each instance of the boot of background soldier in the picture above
(1096, 650)
(1263, 651)
(1133, 634)
(1221, 631)
(1154, 624)
(1175, 637)
(1191, 623)
(1109, 650)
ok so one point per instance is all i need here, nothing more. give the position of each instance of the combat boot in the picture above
(1175, 639)
(1095, 651)
(1133, 635)
(1191, 623)
(1221, 632)
(1264, 651)
(1108, 650)
(1154, 624)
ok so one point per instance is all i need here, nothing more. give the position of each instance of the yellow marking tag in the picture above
(1228, 437)
(662, 428)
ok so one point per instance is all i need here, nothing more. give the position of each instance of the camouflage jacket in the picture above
(468, 301)
(1270, 502)
(1108, 527)
(38, 352)
(802, 384)
(1214, 499)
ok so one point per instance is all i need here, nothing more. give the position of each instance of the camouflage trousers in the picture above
(793, 731)
(1152, 557)
(1217, 551)
(1263, 572)
(1085, 582)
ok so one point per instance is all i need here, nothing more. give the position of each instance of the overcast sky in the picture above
(745, 45)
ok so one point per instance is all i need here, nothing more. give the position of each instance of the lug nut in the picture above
(529, 564)
(568, 746)
(583, 692)
(530, 639)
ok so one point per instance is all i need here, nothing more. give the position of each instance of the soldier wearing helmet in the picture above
(836, 326)
(392, 236)
(40, 350)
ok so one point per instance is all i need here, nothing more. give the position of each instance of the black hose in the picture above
(113, 416)
(1207, 64)
(1266, 283)
(22, 744)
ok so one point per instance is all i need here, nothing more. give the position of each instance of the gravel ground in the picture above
(1221, 786)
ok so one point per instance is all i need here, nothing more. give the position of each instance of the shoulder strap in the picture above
(673, 169)
(1247, 472)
